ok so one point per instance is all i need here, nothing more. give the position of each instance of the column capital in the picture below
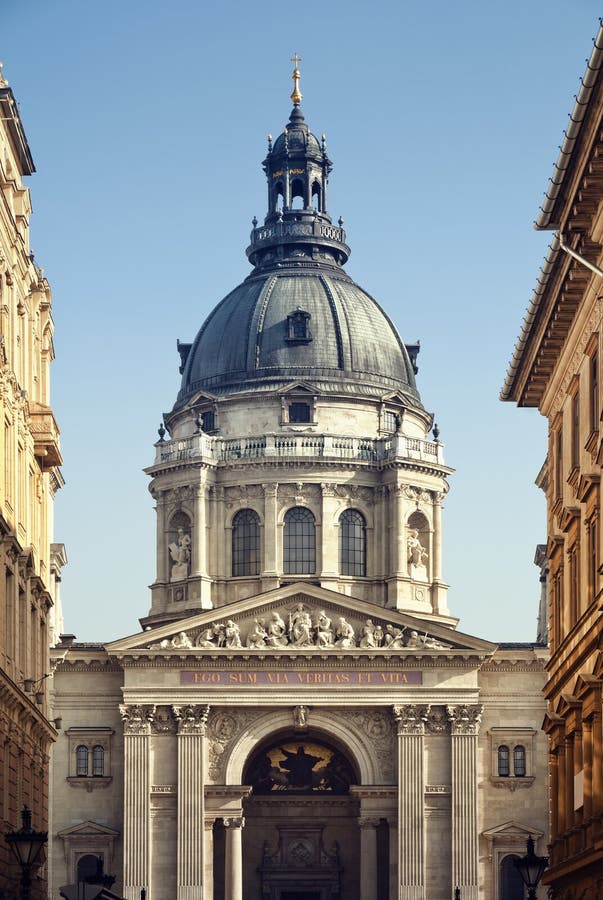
(137, 719)
(191, 719)
(411, 718)
(270, 490)
(234, 822)
(465, 718)
(368, 821)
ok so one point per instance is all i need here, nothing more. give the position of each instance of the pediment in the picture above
(514, 831)
(88, 829)
(299, 387)
(303, 618)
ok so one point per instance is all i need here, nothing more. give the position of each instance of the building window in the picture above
(574, 584)
(390, 421)
(81, 761)
(593, 556)
(352, 543)
(503, 761)
(575, 430)
(88, 866)
(208, 421)
(594, 392)
(558, 464)
(98, 761)
(299, 542)
(299, 412)
(298, 327)
(519, 761)
(246, 543)
(511, 884)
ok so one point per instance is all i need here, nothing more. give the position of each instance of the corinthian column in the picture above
(234, 857)
(411, 788)
(464, 726)
(191, 819)
(137, 729)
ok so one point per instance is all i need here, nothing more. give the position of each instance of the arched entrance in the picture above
(301, 838)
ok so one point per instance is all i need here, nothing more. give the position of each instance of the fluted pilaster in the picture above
(137, 856)
(191, 731)
(464, 726)
(411, 836)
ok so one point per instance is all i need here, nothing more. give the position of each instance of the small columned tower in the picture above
(298, 449)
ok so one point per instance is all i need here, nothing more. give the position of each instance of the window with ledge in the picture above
(512, 754)
(558, 461)
(299, 413)
(89, 756)
(299, 542)
(390, 421)
(352, 543)
(246, 543)
(575, 423)
(298, 327)
(594, 392)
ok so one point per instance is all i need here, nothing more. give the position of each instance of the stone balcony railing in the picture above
(217, 450)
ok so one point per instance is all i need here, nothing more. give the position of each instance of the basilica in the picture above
(299, 717)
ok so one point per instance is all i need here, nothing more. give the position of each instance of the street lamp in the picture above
(531, 868)
(26, 846)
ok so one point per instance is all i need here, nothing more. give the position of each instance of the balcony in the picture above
(45, 433)
(371, 451)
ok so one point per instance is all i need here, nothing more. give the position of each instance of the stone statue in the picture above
(299, 766)
(394, 638)
(181, 555)
(276, 631)
(367, 635)
(414, 640)
(181, 641)
(300, 716)
(206, 638)
(232, 634)
(300, 627)
(378, 635)
(417, 555)
(345, 634)
(257, 636)
(324, 632)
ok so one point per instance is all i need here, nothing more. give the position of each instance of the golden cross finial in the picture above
(296, 96)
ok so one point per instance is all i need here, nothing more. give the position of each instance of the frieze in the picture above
(300, 678)
(465, 718)
(300, 627)
(416, 494)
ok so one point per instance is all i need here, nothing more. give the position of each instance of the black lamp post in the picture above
(26, 846)
(531, 868)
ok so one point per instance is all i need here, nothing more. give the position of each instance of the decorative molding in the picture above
(512, 783)
(411, 718)
(465, 718)
(368, 821)
(191, 719)
(137, 719)
(437, 721)
(164, 721)
(234, 822)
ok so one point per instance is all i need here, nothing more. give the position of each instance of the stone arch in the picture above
(255, 506)
(352, 503)
(330, 725)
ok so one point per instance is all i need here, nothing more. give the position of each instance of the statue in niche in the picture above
(417, 556)
(300, 717)
(344, 634)
(180, 551)
(257, 636)
(300, 627)
(276, 631)
(324, 631)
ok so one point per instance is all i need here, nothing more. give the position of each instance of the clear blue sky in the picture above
(148, 122)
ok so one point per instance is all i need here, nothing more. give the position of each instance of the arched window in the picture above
(88, 866)
(297, 194)
(98, 760)
(316, 196)
(81, 760)
(511, 885)
(352, 543)
(299, 542)
(503, 761)
(519, 761)
(246, 543)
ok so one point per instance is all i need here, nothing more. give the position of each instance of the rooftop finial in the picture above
(296, 96)
(3, 81)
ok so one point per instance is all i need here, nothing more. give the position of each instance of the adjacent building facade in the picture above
(29, 478)
(556, 367)
(299, 716)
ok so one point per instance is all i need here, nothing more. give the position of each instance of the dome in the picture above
(252, 339)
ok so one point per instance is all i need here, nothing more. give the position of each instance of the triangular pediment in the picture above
(88, 829)
(513, 831)
(299, 387)
(305, 619)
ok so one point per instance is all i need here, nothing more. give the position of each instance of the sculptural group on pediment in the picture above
(300, 628)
